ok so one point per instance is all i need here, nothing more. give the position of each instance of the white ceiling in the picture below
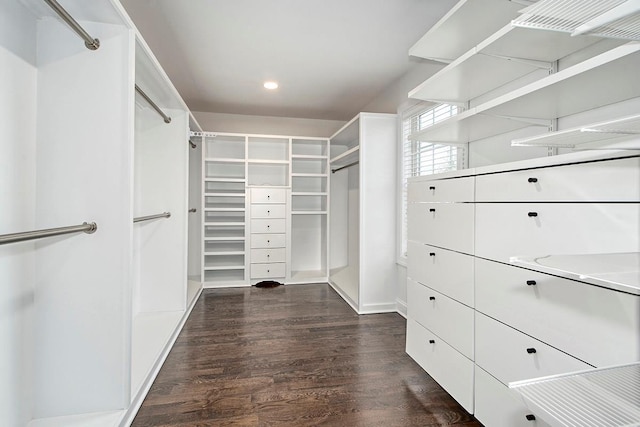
(331, 57)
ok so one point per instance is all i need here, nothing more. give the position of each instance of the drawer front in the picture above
(448, 367)
(268, 226)
(268, 255)
(597, 181)
(598, 326)
(268, 241)
(505, 230)
(510, 355)
(497, 406)
(268, 211)
(268, 195)
(448, 225)
(443, 190)
(448, 272)
(450, 320)
(267, 271)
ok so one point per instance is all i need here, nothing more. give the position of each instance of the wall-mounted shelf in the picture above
(507, 55)
(460, 29)
(605, 397)
(579, 88)
(347, 156)
(601, 132)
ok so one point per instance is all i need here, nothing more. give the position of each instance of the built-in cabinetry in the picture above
(362, 221)
(265, 206)
(88, 319)
(497, 280)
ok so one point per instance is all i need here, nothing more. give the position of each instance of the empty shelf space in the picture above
(224, 247)
(507, 55)
(266, 149)
(618, 271)
(579, 88)
(602, 132)
(308, 203)
(460, 29)
(224, 148)
(308, 184)
(310, 148)
(224, 170)
(308, 276)
(224, 231)
(223, 262)
(604, 397)
(346, 156)
(227, 277)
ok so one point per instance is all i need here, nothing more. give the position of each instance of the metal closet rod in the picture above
(89, 42)
(166, 118)
(149, 217)
(344, 167)
(86, 227)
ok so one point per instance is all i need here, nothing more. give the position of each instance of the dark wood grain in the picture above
(293, 356)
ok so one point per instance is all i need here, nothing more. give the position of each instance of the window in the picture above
(426, 158)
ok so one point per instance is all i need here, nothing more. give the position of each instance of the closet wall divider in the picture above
(87, 320)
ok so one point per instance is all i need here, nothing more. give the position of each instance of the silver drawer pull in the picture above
(531, 350)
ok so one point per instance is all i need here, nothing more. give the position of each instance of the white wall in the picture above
(17, 207)
(236, 123)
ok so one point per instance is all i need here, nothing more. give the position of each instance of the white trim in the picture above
(401, 307)
(344, 296)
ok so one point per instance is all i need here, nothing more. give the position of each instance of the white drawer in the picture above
(596, 325)
(268, 226)
(510, 355)
(504, 230)
(497, 406)
(448, 367)
(447, 225)
(450, 320)
(443, 190)
(268, 255)
(268, 211)
(448, 272)
(266, 271)
(268, 241)
(611, 180)
(268, 195)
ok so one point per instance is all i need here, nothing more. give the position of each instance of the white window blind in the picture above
(423, 157)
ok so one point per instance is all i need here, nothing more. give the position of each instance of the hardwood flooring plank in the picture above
(293, 356)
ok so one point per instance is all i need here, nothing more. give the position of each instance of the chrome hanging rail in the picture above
(166, 118)
(149, 217)
(344, 167)
(87, 227)
(89, 42)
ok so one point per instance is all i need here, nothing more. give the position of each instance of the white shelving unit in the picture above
(309, 210)
(538, 103)
(224, 210)
(460, 28)
(94, 316)
(362, 262)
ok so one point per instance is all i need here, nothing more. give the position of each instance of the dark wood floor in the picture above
(293, 356)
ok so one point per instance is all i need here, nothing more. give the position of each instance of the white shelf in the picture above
(605, 397)
(222, 179)
(626, 127)
(314, 276)
(352, 153)
(224, 209)
(308, 212)
(223, 223)
(582, 87)
(229, 239)
(310, 175)
(219, 194)
(309, 193)
(507, 55)
(268, 162)
(617, 271)
(223, 160)
(308, 157)
(224, 253)
(460, 29)
(224, 268)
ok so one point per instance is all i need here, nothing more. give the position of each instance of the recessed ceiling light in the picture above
(271, 85)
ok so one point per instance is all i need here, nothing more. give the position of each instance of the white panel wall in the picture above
(161, 175)
(194, 268)
(17, 207)
(84, 163)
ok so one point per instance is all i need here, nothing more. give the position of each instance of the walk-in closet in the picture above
(395, 213)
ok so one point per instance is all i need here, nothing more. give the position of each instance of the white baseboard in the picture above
(401, 308)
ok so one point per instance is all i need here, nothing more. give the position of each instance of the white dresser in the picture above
(268, 233)
(495, 282)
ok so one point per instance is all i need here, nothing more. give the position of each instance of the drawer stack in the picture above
(531, 324)
(268, 234)
(500, 322)
(440, 324)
